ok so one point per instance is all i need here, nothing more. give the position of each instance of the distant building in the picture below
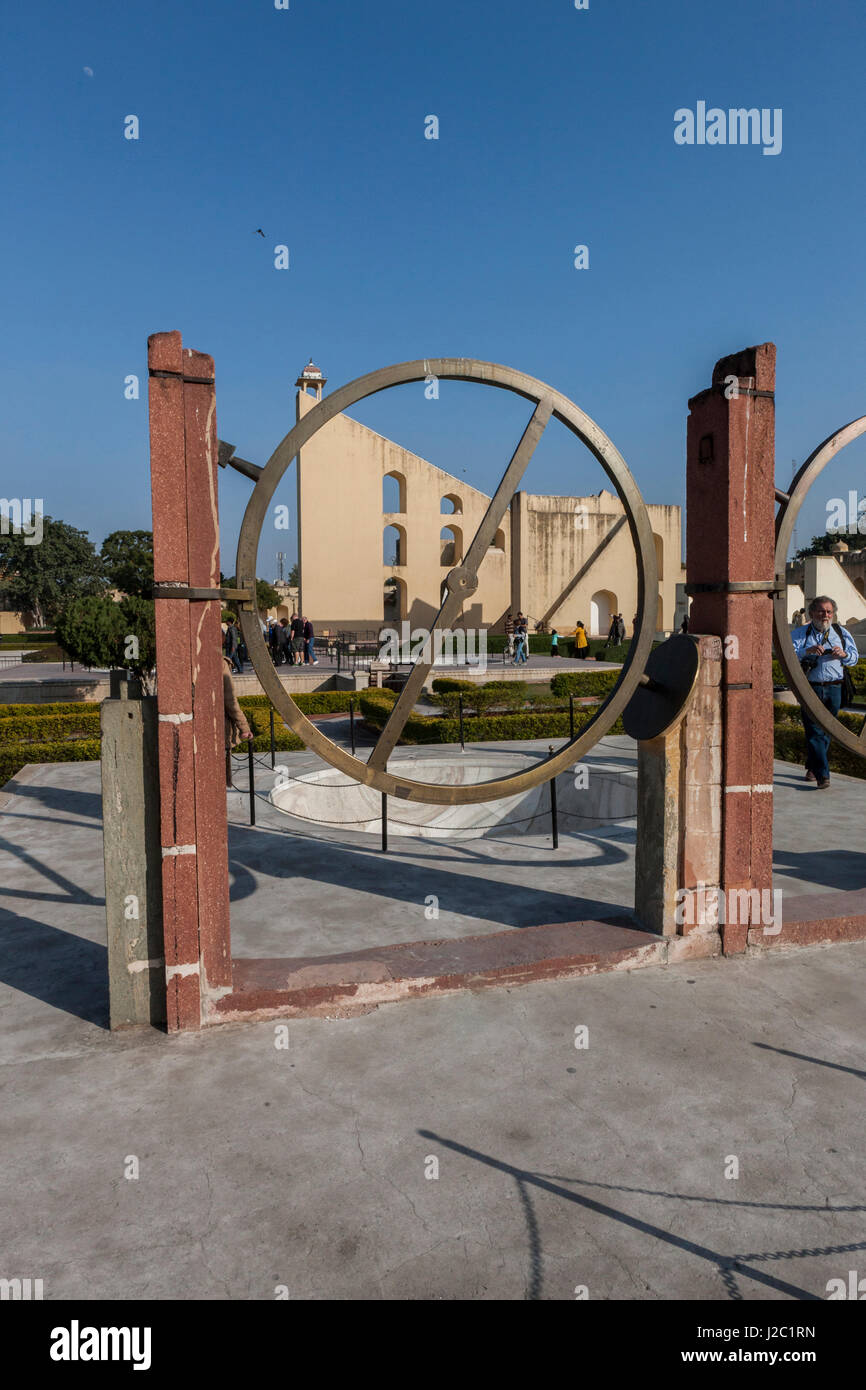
(379, 528)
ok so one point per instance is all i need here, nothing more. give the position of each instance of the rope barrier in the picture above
(416, 825)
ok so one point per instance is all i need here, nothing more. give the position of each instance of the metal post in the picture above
(571, 718)
(273, 744)
(460, 711)
(384, 822)
(352, 722)
(554, 818)
(252, 782)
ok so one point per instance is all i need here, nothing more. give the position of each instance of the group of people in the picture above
(616, 632)
(517, 638)
(291, 642)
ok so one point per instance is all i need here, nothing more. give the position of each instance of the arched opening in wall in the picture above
(660, 556)
(394, 606)
(394, 545)
(660, 615)
(393, 492)
(498, 542)
(602, 607)
(450, 503)
(452, 545)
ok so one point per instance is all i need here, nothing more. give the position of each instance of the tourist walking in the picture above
(296, 632)
(282, 651)
(236, 727)
(310, 658)
(509, 635)
(581, 641)
(554, 643)
(521, 640)
(232, 647)
(824, 648)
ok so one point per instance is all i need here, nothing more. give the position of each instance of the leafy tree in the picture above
(99, 632)
(44, 577)
(266, 595)
(294, 577)
(127, 559)
(818, 545)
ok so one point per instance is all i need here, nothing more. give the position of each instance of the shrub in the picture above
(314, 702)
(584, 682)
(52, 707)
(443, 684)
(15, 756)
(47, 728)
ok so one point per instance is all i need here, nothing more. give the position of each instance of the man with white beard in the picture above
(823, 647)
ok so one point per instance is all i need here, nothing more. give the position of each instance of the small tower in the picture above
(311, 376)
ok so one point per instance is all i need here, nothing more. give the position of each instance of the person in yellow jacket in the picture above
(581, 641)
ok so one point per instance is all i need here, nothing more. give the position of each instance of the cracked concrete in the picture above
(305, 1166)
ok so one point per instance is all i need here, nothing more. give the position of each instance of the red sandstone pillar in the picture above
(730, 507)
(183, 449)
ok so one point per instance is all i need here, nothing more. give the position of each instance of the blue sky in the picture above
(556, 128)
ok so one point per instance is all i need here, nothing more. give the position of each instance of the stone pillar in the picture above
(133, 863)
(730, 510)
(183, 444)
(678, 849)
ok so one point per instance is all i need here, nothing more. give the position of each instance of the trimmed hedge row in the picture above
(376, 705)
(584, 682)
(312, 702)
(55, 707)
(48, 728)
(16, 756)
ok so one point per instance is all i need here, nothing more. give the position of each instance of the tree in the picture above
(818, 545)
(43, 577)
(294, 577)
(99, 632)
(127, 559)
(266, 595)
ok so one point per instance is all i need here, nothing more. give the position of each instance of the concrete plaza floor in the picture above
(306, 1166)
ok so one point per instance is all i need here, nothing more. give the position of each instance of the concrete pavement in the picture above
(301, 1156)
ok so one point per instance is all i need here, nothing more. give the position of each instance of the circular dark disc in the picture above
(673, 669)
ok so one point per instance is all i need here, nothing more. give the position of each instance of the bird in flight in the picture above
(258, 232)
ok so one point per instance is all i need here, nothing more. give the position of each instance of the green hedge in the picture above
(48, 728)
(16, 756)
(313, 702)
(376, 705)
(52, 707)
(584, 682)
(443, 684)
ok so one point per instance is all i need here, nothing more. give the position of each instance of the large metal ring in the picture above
(547, 403)
(785, 521)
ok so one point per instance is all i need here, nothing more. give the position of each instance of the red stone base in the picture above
(342, 985)
(816, 919)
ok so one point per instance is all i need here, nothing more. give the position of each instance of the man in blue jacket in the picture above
(823, 647)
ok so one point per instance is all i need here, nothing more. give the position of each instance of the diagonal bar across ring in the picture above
(461, 582)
